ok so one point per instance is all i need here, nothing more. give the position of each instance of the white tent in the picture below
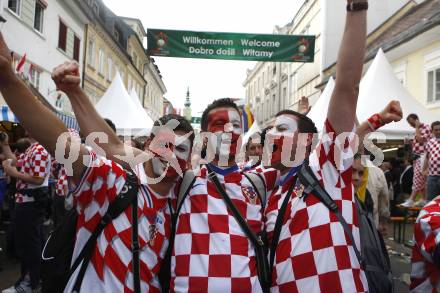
(118, 106)
(380, 86)
(255, 128)
(318, 113)
(134, 96)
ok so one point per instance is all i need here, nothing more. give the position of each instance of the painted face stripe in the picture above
(234, 119)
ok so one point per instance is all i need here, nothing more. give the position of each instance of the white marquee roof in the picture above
(118, 106)
(378, 87)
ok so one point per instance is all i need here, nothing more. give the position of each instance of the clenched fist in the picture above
(66, 77)
(391, 113)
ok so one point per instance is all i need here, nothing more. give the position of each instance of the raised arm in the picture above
(30, 111)
(342, 108)
(66, 77)
(391, 113)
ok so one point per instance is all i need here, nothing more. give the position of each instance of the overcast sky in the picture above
(207, 79)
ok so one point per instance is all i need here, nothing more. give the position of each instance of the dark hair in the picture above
(184, 124)
(253, 138)
(263, 134)
(434, 124)
(137, 143)
(22, 145)
(357, 156)
(413, 116)
(111, 124)
(305, 124)
(220, 103)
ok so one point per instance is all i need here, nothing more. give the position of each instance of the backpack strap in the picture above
(187, 182)
(258, 184)
(278, 226)
(165, 271)
(257, 242)
(135, 236)
(308, 179)
(127, 196)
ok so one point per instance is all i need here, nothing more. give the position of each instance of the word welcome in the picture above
(231, 46)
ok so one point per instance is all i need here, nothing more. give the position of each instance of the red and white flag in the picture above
(20, 65)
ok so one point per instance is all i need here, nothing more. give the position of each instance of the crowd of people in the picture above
(209, 224)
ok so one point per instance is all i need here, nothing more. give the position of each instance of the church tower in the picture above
(187, 109)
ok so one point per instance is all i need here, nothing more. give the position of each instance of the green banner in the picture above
(231, 46)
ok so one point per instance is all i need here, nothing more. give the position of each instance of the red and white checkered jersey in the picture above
(313, 252)
(54, 168)
(58, 174)
(35, 161)
(211, 252)
(419, 147)
(433, 149)
(425, 274)
(110, 269)
(61, 186)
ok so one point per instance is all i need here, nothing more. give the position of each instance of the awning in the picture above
(7, 115)
(69, 121)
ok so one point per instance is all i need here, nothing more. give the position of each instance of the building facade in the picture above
(272, 86)
(48, 33)
(154, 91)
(111, 46)
(410, 40)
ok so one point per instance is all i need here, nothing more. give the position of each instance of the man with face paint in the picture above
(313, 253)
(211, 252)
(98, 180)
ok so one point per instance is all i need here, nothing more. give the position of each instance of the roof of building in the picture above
(138, 21)
(110, 21)
(416, 21)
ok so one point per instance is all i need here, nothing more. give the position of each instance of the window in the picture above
(34, 77)
(91, 53)
(274, 70)
(434, 85)
(76, 48)
(101, 62)
(283, 100)
(293, 86)
(62, 36)
(38, 18)
(116, 34)
(274, 105)
(109, 69)
(95, 8)
(400, 72)
(15, 6)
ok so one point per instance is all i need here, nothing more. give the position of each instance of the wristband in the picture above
(375, 122)
(357, 6)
